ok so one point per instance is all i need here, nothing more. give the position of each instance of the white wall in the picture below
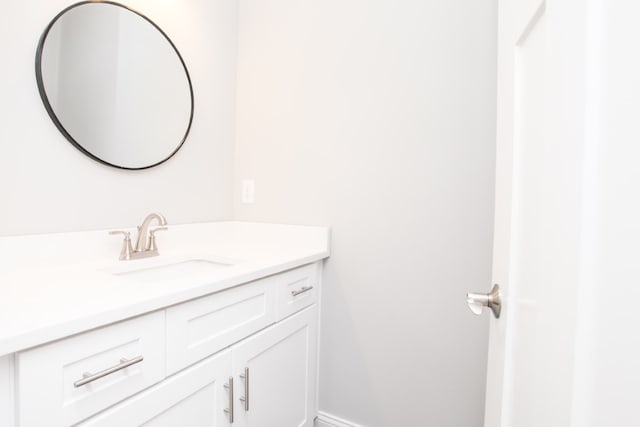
(377, 117)
(48, 185)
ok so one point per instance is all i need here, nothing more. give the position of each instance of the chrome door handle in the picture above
(245, 399)
(124, 363)
(491, 300)
(229, 410)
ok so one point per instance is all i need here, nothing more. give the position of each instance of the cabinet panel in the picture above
(48, 388)
(6, 391)
(297, 289)
(281, 364)
(195, 397)
(201, 327)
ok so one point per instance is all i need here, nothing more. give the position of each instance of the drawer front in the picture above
(199, 328)
(297, 289)
(195, 397)
(50, 378)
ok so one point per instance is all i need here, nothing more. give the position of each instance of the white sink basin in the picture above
(172, 270)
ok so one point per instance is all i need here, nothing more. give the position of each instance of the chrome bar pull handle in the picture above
(124, 363)
(492, 300)
(301, 291)
(229, 410)
(245, 399)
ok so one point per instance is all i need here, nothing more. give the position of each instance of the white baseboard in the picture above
(327, 420)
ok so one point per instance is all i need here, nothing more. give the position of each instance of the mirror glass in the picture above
(114, 85)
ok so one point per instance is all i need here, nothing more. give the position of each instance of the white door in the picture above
(278, 368)
(539, 211)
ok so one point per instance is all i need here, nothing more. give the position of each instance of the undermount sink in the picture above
(174, 270)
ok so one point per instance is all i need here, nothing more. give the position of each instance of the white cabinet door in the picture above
(196, 397)
(279, 389)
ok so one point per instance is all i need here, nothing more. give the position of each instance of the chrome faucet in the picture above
(143, 231)
(146, 242)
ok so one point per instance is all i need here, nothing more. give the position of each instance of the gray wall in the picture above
(378, 118)
(47, 185)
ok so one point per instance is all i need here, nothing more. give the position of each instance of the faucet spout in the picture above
(143, 230)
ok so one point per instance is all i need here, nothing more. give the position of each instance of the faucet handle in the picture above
(152, 238)
(127, 249)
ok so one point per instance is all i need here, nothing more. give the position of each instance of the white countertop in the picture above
(56, 285)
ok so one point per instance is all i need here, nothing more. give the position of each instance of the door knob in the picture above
(491, 300)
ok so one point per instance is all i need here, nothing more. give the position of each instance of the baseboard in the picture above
(327, 420)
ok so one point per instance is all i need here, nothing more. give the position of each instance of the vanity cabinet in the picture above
(247, 354)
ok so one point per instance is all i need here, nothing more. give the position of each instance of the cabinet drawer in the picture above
(297, 289)
(52, 375)
(199, 328)
(195, 397)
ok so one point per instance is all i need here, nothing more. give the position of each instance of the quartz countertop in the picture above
(56, 285)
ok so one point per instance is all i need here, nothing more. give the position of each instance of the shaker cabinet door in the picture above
(275, 374)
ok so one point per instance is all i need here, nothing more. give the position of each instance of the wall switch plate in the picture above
(248, 191)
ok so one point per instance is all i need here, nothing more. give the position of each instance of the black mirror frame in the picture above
(49, 108)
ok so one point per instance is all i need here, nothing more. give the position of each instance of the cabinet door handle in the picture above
(229, 410)
(245, 399)
(301, 291)
(124, 363)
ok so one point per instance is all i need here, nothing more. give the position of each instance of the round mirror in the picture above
(114, 85)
